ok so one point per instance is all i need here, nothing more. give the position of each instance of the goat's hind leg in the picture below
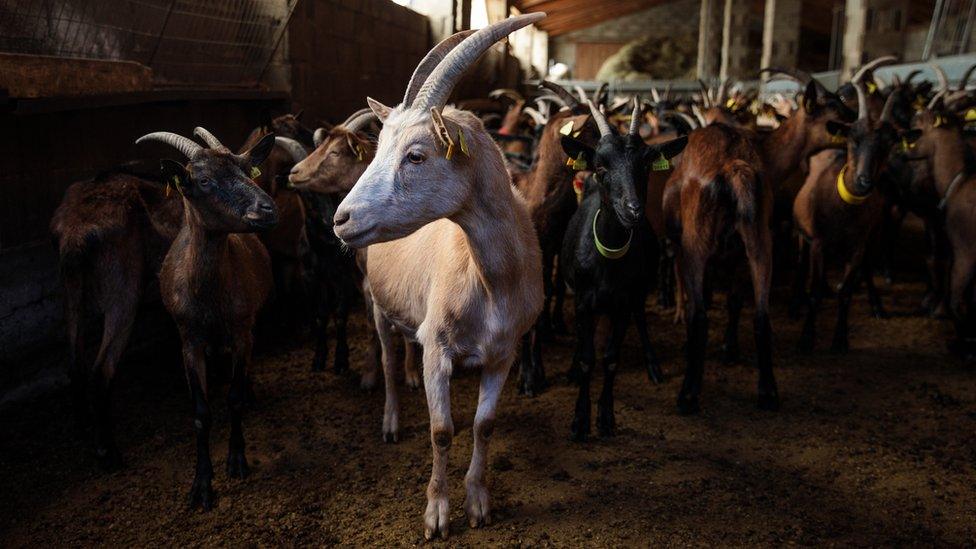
(437, 383)
(651, 362)
(194, 361)
(476, 503)
(391, 406)
(759, 252)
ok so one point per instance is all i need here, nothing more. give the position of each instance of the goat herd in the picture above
(467, 229)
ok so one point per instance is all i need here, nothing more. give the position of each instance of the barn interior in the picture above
(875, 446)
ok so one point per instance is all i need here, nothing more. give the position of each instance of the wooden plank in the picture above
(31, 76)
(590, 57)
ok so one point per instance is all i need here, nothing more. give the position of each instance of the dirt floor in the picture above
(873, 448)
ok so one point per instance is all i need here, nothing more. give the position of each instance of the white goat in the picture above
(452, 258)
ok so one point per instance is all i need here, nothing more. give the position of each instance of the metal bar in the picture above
(933, 25)
(968, 29)
(277, 42)
(162, 31)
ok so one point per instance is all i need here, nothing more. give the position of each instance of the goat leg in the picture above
(391, 407)
(437, 383)
(733, 305)
(840, 343)
(236, 400)
(586, 357)
(606, 423)
(651, 362)
(476, 502)
(201, 493)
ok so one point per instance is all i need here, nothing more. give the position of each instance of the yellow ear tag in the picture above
(255, 172)
(360, 153)
(730, 103)
(938, 121)
(661, 164)
(577, 133)
(567, 128)
(450, 151)
(837, 139)
(906, 146)
(579, 163)
(464, 144)
(175, 181)
(971, 115)
(872, 87)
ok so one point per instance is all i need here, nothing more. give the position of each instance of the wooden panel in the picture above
(590, 57)
(43, 76)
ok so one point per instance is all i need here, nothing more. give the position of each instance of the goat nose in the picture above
(265, 206)
(340, 217)
(634, 209)
(863, 182)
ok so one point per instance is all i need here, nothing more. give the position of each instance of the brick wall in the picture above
(343, 50)
(670, 19)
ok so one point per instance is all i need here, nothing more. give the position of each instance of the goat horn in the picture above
(635, 117)
(941, 75)
(867, 68)
(698, 114)
(439, 85)
(598, 94)
(601, 121)
(684, 117)
(186, 146)
(580, 92)
(319, 136)
(506, 92)
(355, 115)
(862, 100)
(430, 62)
(895, 81)
(360, 122)
(911, 76)
(723, 91)
(537, 116)
(210, 139)
(888, 109)
(965, 77)
(655, 95)
(935, 98)
(293, 148)
(704, 92)
(567, 98)
(668, 91)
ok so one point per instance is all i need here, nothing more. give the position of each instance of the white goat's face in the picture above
(409, 184)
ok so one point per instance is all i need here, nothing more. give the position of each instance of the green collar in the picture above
(610, 253)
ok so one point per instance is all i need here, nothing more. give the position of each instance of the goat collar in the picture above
(610, 253)
(952, 188)
(846, 195)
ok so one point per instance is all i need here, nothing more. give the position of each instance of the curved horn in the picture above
(430, 62)
(871, 65)
(965, 77)
(506, 92)
(293, 148)
(911, 76)
(359, 123)
(537, 116)
(439, 85)
(655, 95)
(568, 99)
(668, 91)
(706, 101)
(208, 138)
(319, 136)
(934, 99)
(684, 117)
(889, 107)
(698, 114)
(635, 117)
(941, 75)
(597, 95)
(186, 146)
(862, 101)
(355, 115)
(723, 91)
(601, 121)
(580, 92)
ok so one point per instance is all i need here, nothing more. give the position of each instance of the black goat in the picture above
(609, 263)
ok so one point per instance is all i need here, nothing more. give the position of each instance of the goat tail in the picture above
(74, 250)
(743, 183)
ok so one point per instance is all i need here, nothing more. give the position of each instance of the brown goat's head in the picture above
(429, 158)
(869, 141)
(217, 184)
(336, 163)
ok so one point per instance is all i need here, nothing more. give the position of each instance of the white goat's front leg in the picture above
(391, 408)
(411, 376)
(476, 502)
(371, 367)
(437, 382)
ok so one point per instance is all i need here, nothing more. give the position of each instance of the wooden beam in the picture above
(595, 12)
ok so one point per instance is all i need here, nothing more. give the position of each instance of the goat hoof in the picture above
(109, 458)
(688, 405)
(580, 430)
(769, 401)
(654, 372)
(436, 518)
(606, 425)
(391, 437)
(341, 364)
(201, 494)
(476, 506)
(237, 466)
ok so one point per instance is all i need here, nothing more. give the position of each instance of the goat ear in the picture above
(668, 149)
(838, 129)
(379, 109)
(298, 115)
(809, 100)
(173, 173)
(574, 148)
(258, 153)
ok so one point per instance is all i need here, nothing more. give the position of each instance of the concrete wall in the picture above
(343, 50)
(671, 19)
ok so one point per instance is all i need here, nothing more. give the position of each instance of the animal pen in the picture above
(487, 272)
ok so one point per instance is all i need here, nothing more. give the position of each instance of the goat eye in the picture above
(416, 157)
(333, 153)
(206, 183)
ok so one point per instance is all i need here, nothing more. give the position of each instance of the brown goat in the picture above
(723, 188)
(214, 280)
(112, 233)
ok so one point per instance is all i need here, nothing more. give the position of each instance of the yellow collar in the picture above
(610, 253)
(846, 195)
